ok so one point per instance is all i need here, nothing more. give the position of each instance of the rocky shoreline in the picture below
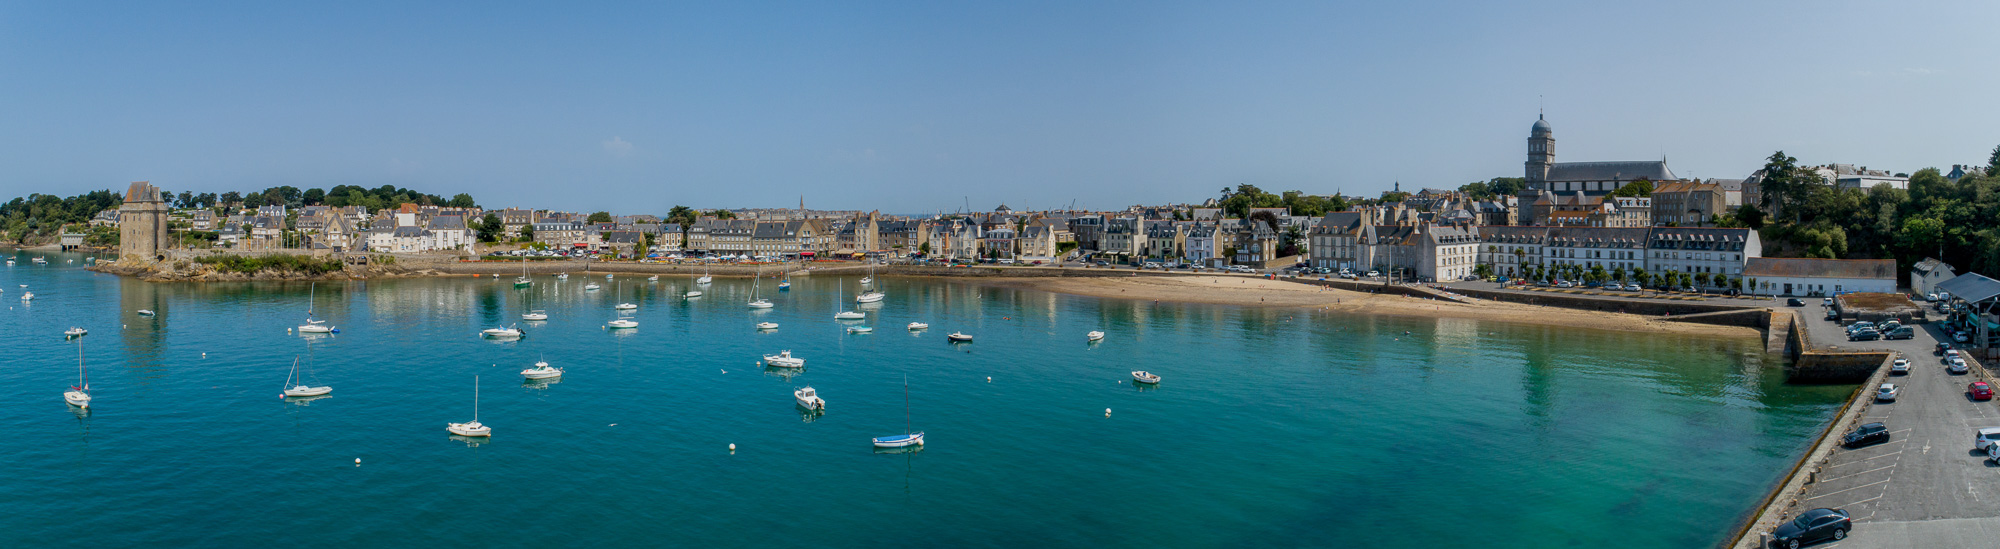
(197, 272)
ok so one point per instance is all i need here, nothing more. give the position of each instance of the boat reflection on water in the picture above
(900, 450)
(1143, 387)
(540, 383)
(808, 416)
(624, 332)
(782, 372)
(305, 401)
(309, 336)
(81, 413)
(471, 442)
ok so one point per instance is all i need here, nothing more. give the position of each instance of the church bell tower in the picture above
(1541, 154)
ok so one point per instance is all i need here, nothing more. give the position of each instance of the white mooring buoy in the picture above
(357, 462)
(1107, 412)
(732, 447)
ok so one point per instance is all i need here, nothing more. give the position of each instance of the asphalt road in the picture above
(1926, 487)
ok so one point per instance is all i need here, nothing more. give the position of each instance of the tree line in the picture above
(1955, 221)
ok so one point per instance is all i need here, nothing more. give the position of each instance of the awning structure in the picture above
(1971, 287)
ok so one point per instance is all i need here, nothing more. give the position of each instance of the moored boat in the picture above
(784, 359)
(1094, 335)
(501, 332)
(767, 325)
(535, 315)
(859, 329)
(471, 428)
(917, 326)
(849, 315)
(542, 370)
(1146, 377)
(621, 324)
(908, 438)
(955, 336)
(75, 332)
(808, 399)
(145, 312)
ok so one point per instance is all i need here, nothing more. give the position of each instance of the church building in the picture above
(1592, 178)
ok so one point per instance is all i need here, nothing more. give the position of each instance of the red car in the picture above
(1980, 391)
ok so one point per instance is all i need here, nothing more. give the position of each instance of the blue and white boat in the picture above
(784, 285)
(908, 438)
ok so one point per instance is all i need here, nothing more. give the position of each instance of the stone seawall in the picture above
(1566, 301)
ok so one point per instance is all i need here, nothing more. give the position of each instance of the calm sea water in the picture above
(1272, 427)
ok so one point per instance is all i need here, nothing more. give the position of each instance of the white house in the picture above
(1820, 277)
(448, 232)
(1926, 274)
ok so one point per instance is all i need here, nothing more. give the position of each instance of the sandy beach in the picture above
(1257, 292)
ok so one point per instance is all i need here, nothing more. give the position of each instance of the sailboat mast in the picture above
(81, 377)
(475, 399)
(906, 404)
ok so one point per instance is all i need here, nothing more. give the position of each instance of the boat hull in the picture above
(77, 399)
(469, 429)
(541, 375)
(900, 441)
(302, 391)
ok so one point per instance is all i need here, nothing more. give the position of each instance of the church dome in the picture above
(1540, 125)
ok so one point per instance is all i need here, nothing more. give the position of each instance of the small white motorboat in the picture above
(654, 278)
(860, 330)
(542, 370)
(625, 306)
(75, 332)
(784, 359)
(591, 287)
(27, 296)
(955, 336)
(808, 399)
(692, 293)
(1142, 376)
(41, 261)
(767, 325)
(607, 276)
(1094, 335)
(870, 297)
(760, 304)
(472, 428)
(867, 280)
(562, 276)
(704, 280)
(621, 323)
(916, 326)
(508, 332)
(849, 315)
(145, 312)
(536, 315)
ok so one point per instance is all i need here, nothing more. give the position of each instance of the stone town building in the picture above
(1447, 253)
(1687, 203)
(142, 223)
(1512, 251)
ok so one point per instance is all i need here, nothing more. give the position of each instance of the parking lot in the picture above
(1926, 487)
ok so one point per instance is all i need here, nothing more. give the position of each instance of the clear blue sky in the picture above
(914, 107)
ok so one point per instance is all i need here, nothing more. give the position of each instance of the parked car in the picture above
(1900, 367)
(1949, 355)
(1373, 274)
(1794, 302)
(1886, 393)
(1812, 527)
(1865, 334)
(1564, 284)
(1901, 332)
(1957, 367)
(1985, 437)
(1833, 315)
(1855, 327)
(1941, 348)
(1979, 390)
(1871, 433)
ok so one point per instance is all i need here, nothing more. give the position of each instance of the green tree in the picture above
(314, 197)
(527, 233)
(599, 217)
(1639, 188)
(462, 200)
(490, 228)
(722, 214)
(683, 215)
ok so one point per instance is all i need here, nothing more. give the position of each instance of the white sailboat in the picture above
(757, 302)
(562, 276)
(79, 396)
(654, 278)
(473, 428)
(808, 399)
(847, 315)
(705, 279)
(524, 281)
(908, 438)
(591, 287)
(315, 326)
(871, 295)
(75, 332)
(27, 296)
(621, 323)
(535, 315)
(301, 389)
(626, 306)
(860, 330)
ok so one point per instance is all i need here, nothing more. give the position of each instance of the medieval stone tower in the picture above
(1541, 154)
(142, 223)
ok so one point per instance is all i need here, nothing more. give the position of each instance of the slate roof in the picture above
(1930, 264)
(1799, 267)
(1655, 170)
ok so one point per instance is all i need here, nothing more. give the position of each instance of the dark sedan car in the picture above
(1795, 302)
(1872, 433)
(1812, 526)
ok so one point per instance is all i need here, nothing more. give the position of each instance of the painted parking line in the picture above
(1883, 481)
(1883, 468)
(1863, 460)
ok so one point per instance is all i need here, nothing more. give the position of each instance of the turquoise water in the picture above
(1273, 427)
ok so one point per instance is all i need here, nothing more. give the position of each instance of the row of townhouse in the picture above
(407, 235)
(1354, 240)
(1510, 251)
(793, 238)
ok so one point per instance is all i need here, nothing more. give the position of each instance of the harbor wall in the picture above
(1781, 503)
